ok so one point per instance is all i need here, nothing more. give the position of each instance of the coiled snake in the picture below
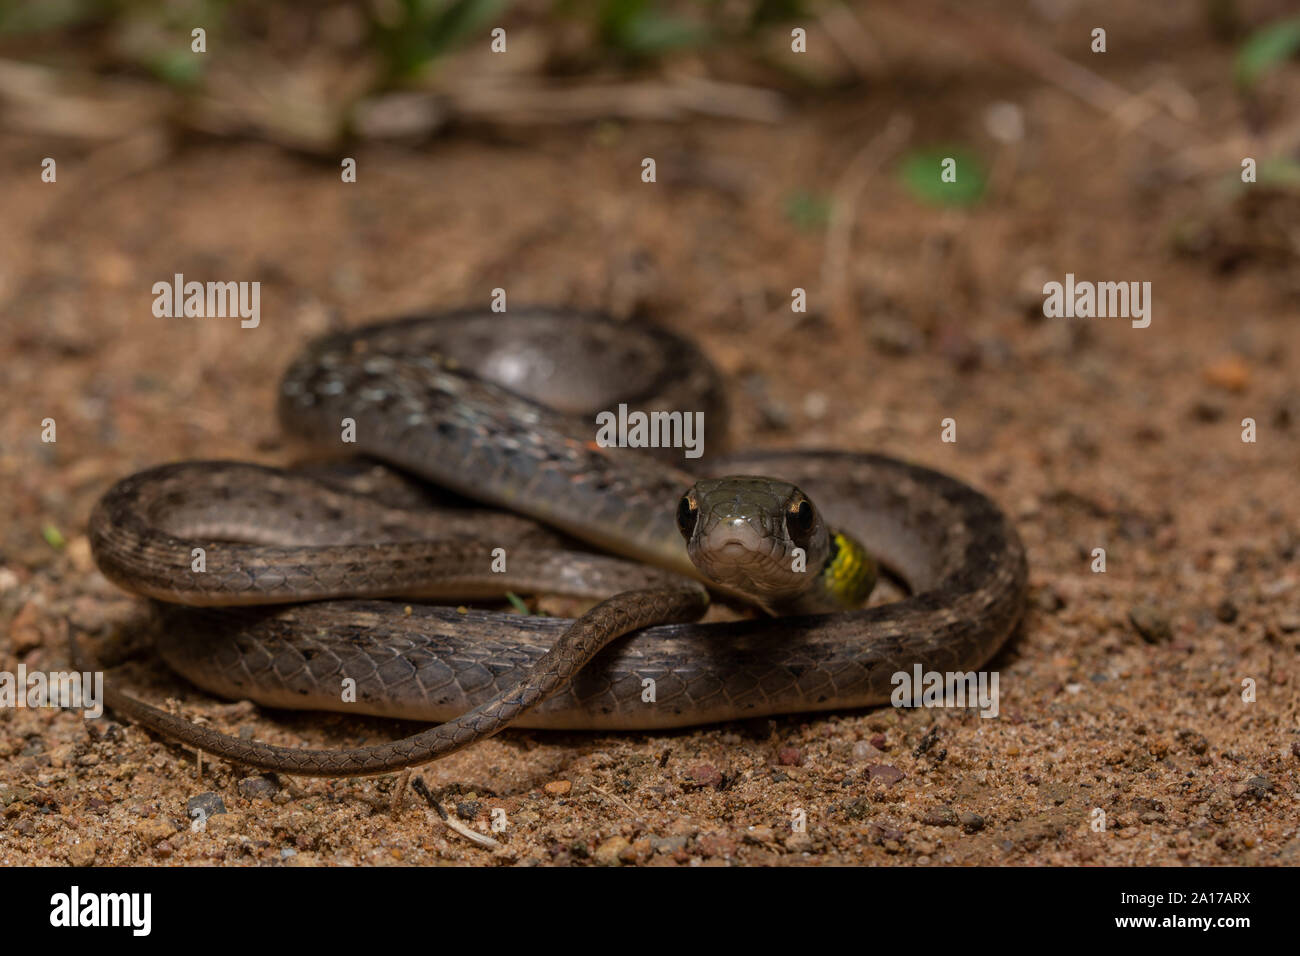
(269, 582)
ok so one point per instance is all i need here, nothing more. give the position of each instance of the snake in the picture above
(455, 462)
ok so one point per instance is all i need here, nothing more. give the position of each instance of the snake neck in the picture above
(845, 581)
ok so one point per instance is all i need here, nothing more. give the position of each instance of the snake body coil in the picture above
(442, 398)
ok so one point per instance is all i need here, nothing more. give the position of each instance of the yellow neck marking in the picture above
(850, 574)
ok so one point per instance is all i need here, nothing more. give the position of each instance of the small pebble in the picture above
(83, 853)
(27, 629)
(1151, 623)
(1231, 374)
(261, 787)
(558, 788)
(611, 851)
(668, 845)
(940, 817)
(205, 805)
(1226, 611)
(1259, 787)
(884, 773)
(705, 775)
(154, 831)
(864, 751)
(718, 845)
(798, 843)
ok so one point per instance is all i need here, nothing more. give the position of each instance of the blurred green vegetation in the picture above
(1265, 50)
(921, 172)
(407, 37)
(426, 29)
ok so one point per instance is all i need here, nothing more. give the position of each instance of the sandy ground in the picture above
(1122, 692)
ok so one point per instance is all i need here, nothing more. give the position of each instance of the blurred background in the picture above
(776, 170)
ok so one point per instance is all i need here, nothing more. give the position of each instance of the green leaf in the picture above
(922, 172)
(1277, 173)
(1265, 50)
(1281, 172)
(53, 537)
(426, 31)
(460, 21)
(807, 210)
(518, 603)
(636, 27)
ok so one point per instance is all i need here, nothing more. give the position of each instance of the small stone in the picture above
(1226, 611)
(468, 809)
(26, 631)
(78, 551)
(864, 750)
(705, 775)
(940, 817)
(668, 845)
(789, 757)
(816, 405)
(1289, 623)
(798, 843)
(717, 845)
(224, 824)
(860, 809)
(1231, 374)
(154, 831)
(10, 795)
(558, 788)
(970, 822)
(759, 835)
(1151, 623)
(83, 853)
(261, 787)
(878, 741)
(610, 852)
(205, 806)
(1259, 787)
(884, 773)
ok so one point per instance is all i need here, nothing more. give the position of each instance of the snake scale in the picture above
(279, 586)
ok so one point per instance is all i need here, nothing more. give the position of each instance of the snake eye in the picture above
(687, 515)
(799, 520)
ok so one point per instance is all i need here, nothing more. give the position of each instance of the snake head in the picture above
(757, 535)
